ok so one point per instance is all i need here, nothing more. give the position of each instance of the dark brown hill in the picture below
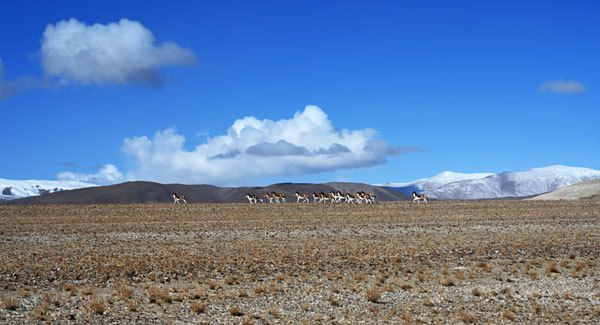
(146, 192)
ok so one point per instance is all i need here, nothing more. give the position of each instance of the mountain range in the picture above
(444, 186)
(457, 186)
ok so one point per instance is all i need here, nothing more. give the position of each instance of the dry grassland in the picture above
(446, 262)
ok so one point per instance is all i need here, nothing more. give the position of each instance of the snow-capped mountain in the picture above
(515, 184)
(16, 189)
(425, 185)
(439, 180)
(534, 181)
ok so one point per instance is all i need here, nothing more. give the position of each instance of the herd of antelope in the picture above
(332, 197)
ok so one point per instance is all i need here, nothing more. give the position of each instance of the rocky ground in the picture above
(445, 262)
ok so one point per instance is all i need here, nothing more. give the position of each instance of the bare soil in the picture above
(398, 262)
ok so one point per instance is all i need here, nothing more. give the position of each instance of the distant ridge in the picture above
(148, 192)
(585, 190)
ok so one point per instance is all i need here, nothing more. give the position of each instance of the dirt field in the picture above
(446, 262)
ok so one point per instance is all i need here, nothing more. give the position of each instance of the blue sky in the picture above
(468, 86)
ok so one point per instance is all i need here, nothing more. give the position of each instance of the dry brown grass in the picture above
(333, 300)
(24, 293)
(198, 307)
(97, 305)
(236, 311)
(124, 292)
(304, 259)
(41, 311)
(467, 317)
(552, 267)
(509, 314)
(373, 294)
(9, 303)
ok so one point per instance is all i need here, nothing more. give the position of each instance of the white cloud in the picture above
(563, 87)
(253, 148)
(113, 53)
(107, 174)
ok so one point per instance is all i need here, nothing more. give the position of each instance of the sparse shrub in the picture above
(275, 312)
(484, 266)
(568, 295)
(132, 305)
(242, 293)
(552, 267)
(579, 266)
(236, 311)
(125, 292)
(70, 287)
(428, 302)
(41, 311)
(54, 299)
(212, 284)
(248, 321)
(533, 274)
(447, 282)
(198, 307)
(466, 317)
(97, 305)
(24, 293)
(476, 292)
(197, 294)
(275, 288)
(259, 290)
(9, 303)
(87, 290)
(509, 314)
(157, 295)
(405, 286)
(373, 294)
(333, 301)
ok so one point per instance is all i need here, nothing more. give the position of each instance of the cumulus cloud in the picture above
(563, 87)
(252, 148)
(106, 174)
(121, 52)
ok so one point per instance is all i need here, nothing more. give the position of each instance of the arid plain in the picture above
(397, 262)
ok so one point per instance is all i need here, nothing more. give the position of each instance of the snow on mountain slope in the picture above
(15, 189)
(515, 184)
(439, 180)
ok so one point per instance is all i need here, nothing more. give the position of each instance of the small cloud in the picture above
(107, 174)
(563, 87)
(117, 53)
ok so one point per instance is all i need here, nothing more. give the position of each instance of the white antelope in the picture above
(419, 197)
(178, 198)
(253, 199)
(301, 197)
